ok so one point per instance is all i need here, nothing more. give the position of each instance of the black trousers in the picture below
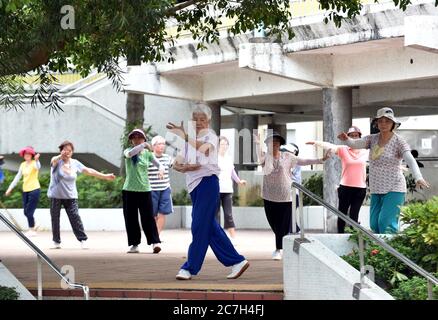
(279, 215)
(350, 201)
(134, 202)
(72, 209)
(227, 205)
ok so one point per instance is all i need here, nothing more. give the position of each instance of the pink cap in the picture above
(27, 150)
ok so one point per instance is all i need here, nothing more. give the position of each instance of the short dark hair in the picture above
(66, 143)
(414, 153)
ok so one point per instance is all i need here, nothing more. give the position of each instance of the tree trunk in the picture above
(134, 114)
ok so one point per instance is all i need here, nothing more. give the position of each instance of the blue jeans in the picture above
(30, 203)
(385, 210)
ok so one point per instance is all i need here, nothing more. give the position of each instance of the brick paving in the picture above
(110, 272)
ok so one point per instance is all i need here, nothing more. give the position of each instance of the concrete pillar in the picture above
(245, 126)
(215, 122)
(337, 115)
(280, 128)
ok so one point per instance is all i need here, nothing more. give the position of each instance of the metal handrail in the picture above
(42, 257)
(431, 278)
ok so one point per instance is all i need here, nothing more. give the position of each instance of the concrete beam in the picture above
(238, 83)
(384, 66)
(421, 32)
(146, 79)
(386, 94)
(270, 58)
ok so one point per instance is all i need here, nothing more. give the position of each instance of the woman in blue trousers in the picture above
(199, 162)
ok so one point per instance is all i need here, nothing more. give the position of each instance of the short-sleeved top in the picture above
(226, 166)
(353, 167)
(277, 177)
(62, 184)
(156, 183)
(137, 178)
(209, 165)
(385, 174)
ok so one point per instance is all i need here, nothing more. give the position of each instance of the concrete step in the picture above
(103, 294)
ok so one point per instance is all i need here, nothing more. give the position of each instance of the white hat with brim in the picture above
(387, 113)
(137, 131)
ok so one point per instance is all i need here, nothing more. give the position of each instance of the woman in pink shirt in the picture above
(352, 189)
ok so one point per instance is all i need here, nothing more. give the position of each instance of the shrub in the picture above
(418, 242)
(8, 293)
(314, 184)
(92, 192)
(413, 289)
(181, 198)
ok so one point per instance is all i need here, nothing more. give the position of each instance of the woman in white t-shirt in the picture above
(226, 177)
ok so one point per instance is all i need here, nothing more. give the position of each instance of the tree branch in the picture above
(180, 6)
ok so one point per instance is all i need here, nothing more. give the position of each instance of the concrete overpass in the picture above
(383, 57)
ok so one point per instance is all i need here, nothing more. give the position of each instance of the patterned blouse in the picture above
(385, 174)
(277, 177)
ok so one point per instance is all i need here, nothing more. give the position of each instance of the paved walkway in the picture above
(107, 265)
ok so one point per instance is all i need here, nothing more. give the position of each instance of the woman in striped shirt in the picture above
(161, 191)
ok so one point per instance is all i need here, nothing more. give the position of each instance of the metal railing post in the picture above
(86, 292)
(361, 258)
(301, 239)
(430, 290)
(301, 213)
(39, 278)
(294, 210)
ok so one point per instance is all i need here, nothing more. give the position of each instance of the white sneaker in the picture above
(30, 233)
(276, 255)
(238, 269)
(84, 244)
(56, 245)
(183, 274)
(156, 247)
(133, 249)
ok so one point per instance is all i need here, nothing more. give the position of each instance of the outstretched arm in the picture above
(97, 174)
(353, 143)
(413, 166)
(331, 148)
(137, 149)
(14, 182)
(308, 162)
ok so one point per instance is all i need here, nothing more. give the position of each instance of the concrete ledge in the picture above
(112, 219)
(7, 279)
(318, 273)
